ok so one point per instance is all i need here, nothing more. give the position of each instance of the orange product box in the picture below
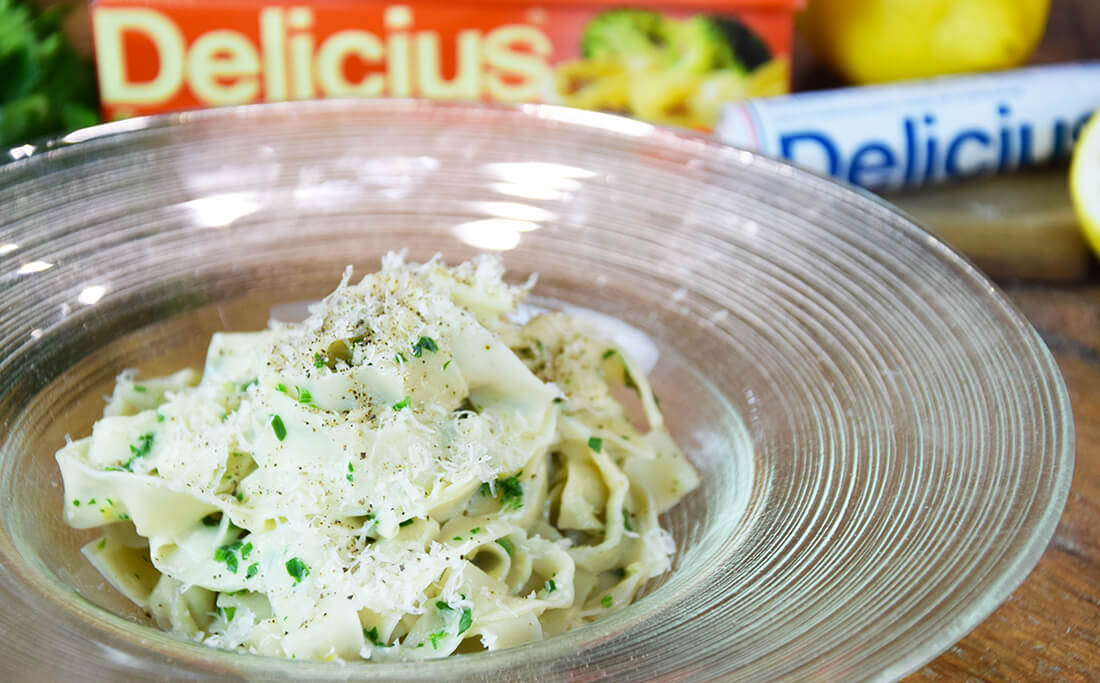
(670, 62)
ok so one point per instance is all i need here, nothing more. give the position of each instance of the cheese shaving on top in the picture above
(403, 473)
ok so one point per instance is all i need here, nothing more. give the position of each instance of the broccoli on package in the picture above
(671, 63)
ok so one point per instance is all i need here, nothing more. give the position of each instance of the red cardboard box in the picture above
(665, 62)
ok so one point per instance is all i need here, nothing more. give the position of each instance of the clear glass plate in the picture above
(886, 444)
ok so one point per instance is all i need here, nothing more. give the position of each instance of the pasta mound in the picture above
(406, 474)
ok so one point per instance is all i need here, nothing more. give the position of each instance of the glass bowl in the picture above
(885, 443)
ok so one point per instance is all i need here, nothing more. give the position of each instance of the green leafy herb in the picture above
(228, 554)
(403, 403)
(213, 519)
(446, 364)
(281, 388)
(297, 569)
(140, 388)
(253, 569)
(160, 418)
(406, 522)
(46, 87)
(229, 613)
(303, 395)
(436, 637)
(140, 449)
(246, 550)
(550, 586)
(466, 620)
(91, 501)
(457, 538)
(278, 427)
(608, 353)
(242, 387)
(607, 601)
(506, 544)
(76, 503)
(424, 344)
(626, 520)
(485, 489)
(102, 543)
(373, 637)
(476, 530)
(350, 476)
(443, 607)
(318, 360)
(595, 443)
(511, 493)
(400, 358)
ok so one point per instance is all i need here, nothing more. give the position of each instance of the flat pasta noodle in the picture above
(406, 474)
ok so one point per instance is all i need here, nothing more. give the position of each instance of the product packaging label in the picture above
(672, 63)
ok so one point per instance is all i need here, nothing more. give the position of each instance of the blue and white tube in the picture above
(904, 135)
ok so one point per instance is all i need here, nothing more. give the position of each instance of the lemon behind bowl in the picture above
(874, 41)
(1084, 182)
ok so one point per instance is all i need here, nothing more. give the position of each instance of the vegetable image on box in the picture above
(666, 70)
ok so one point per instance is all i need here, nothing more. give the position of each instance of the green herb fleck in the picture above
(242, 387)
(626, 520)
(281, 388)
(139, 450)
(160, 418)
(213, 519)
(253, 569)
(246, 550)
(406, 522)
(350, 476)
(485, 489)
(403, 403)
(400, 358)
(506, 544)
(550, 586)
(373, 637)
(124, 516)
(511, 493)
(443, 607)
(424, 344)
(297, 569)
(228, 554)
(91, 501)
(303, 395)
(278, 427)
(318, 360)
(140, 389)
(436, 637)
(607, 601)
(457, 538)
(475, 530)
(76, 503)
(102, 543)
(446, 364)
(595, 443)
(608, 353)
(466, 620)
(229, 613)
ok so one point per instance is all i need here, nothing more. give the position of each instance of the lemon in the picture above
(872, 41)
(1084, 182)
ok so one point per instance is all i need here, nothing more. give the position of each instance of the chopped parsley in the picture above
(443, 607)
(550, 586)
(246, 550)
(446, 364)
(485, 489)
(457, 538)
(318, 360)
(303, 395)
(278, 427)
(229, 613)
(608, 353)
(76, 503)
(242, 387)
(350, 476)
(403, 403)
(160, 418)
(511, 493)
(373, 637)
(406, 522)
(626, 520)
(140, 388)
(607, 601)
(595, 443)
(466, 620)
(424, 344)
(281, 388)
(228, 554)
(102, 543)
(140, 449)
(436, 637)
(253, 569)
(506, 544)
(213, 519)
(400, 358)
(476, 530)
(91, 501)
(297, 569)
